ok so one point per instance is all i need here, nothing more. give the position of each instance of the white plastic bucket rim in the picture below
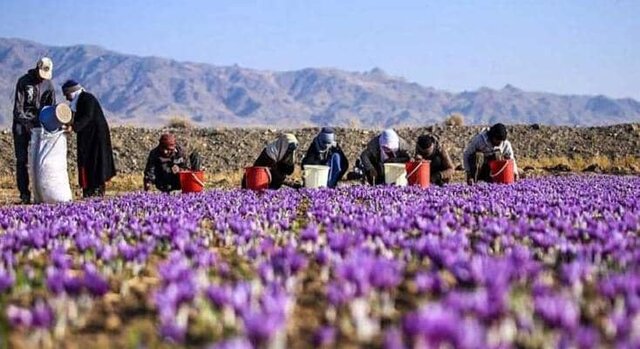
(315, 176)
(395, 174)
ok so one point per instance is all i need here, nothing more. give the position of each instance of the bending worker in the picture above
(387, 147)
(429, 148)
(489, 144)
(279, 157)
(324, 150)
(165, 162)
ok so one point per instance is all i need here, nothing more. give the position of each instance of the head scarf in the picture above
(70, 86)
(325, 140)
(278, 149)
(73, 89)
(388, 139)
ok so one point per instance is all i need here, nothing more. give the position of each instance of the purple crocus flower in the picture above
(6, 280)
(42, 315)
(19, 317)
(94, 282)
(324, 336)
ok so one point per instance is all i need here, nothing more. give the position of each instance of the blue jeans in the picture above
(334, 170)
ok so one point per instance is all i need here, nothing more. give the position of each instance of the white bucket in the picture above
(315, 176)
(395, 174)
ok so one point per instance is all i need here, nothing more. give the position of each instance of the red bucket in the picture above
(419, 173)
(257, 178)
(501, 171)
(191, 181)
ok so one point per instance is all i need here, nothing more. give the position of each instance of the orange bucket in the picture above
(501, 171)
(191, 181)
(258, 178)
(419, 173)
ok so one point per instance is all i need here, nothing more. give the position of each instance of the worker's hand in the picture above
(147, 186)
(418, 157)
(67, 128)
(175, 169)
(516, 176)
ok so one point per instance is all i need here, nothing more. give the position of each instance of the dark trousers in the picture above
(93, 192)
(21, 138)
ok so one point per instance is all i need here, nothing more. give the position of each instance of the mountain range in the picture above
(149, 91)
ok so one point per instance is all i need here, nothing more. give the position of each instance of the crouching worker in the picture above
(165, 162)
(387, 147)
(279, 157)
(490, 144)
(429, 148)
(324, 150)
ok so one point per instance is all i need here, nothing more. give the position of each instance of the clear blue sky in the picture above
(580, 46)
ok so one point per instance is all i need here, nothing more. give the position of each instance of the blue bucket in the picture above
(53, 117)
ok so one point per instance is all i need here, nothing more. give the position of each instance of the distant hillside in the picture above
(148, 90)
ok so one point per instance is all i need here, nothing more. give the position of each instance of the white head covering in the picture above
(74, 99)
(277, 149)
(388, 139)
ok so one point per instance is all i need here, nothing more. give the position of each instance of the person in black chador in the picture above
(34, 91)
(95, 156)
(165, 162)
(279, 157)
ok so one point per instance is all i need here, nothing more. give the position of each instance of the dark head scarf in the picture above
(70, 86)
(325, 139)
(498, 132)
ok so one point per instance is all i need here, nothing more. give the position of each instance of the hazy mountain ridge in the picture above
(148, 90)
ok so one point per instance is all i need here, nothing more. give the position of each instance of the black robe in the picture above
(95, 156)
(279, 170)
(314, 157)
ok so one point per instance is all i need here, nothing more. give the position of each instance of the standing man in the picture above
(34, 91)
(95, 156)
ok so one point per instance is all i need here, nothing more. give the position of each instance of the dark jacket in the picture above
(370, 159)
(279, 170)
(32, 94)
(441, 165)
(315, 157)
(158, 169)
(95, 156)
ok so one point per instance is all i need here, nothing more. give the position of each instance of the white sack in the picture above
(48, 166)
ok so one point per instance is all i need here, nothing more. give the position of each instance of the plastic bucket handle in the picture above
(195, 178)
(506, 163)
(414, 170)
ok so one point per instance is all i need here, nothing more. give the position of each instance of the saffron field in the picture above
(548, 262)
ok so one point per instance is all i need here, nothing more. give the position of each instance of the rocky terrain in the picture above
(227, 150)
(147, 91)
